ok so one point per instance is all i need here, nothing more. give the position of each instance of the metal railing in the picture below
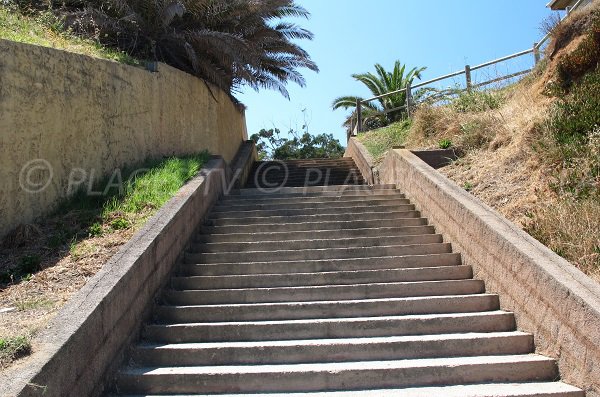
(356, 123)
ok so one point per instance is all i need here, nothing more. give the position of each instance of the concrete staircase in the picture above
(299, 173)
(331, 291)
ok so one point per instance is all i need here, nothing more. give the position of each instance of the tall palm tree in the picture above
(227, 42)
(381, 83)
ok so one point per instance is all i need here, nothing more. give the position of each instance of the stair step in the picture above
(321, 253)
(304, 183)
(325, 292)
(329, 210)
(335, 376)
(337, 189)
(334, 350)
(317, 244)
(323, 278)
(327, 265)
(326, 328)
(528, 389)
(327, 309)
(342, 217)
(271, 195)
(308, 226)
(317, 234)
(311, 203)
(300, 199)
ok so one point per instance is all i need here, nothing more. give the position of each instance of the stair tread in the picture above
(339, 366)
(533, 389)
(337, 341)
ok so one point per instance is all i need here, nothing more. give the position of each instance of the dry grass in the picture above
(513, 163)
(571, 229)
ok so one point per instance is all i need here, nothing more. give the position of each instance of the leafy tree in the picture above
(271, 145)
(381, 83)
(227, 42)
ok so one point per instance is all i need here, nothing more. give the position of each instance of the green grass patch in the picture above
(379, 141)
(127, 200)
(12, 348)
(43, 28)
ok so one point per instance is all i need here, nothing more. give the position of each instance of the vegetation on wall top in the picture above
(229, 43)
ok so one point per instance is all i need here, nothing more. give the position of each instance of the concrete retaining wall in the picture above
(74, 113)
(363, 160)
(551, 298)
(87, 340)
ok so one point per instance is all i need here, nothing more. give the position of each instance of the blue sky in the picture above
(352, 35)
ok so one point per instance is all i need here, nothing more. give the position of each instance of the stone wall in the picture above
(550, 297)
(66, 118)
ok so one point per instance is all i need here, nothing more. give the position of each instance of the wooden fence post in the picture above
(536, 53)
(358, 116)
(468, 76)
(408, 99)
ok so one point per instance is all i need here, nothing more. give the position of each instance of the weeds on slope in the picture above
(62, 252)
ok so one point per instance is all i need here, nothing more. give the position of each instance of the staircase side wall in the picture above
(88, 339)
(67, 118)
(550, 297)
(363, 160)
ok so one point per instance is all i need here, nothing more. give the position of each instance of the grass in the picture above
(379, 141)
(44, 29)
(123, 206)
(571, 228)
(12, 348)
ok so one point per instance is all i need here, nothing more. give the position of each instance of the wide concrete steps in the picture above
(305, 173)
(330, 291)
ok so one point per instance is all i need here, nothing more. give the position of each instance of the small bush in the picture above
(13, 348)
(120, 224)
(95, 230)
(445, 143)
(476, 101)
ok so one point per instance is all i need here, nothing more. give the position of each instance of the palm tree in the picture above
(385, 111)
(229, 43)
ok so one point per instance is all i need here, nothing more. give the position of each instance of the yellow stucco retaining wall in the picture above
(67, 117)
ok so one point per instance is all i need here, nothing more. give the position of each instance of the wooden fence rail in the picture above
(357, 123)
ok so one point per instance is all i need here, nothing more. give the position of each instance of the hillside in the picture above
(531, 150)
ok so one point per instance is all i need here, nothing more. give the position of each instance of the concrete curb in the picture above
(550, 297)
(77, 354)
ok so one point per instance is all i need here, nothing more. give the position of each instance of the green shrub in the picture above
(13, 347)
(577, 114)
(95, 230)
(576, 64)
(445, 143)
(120, 224)
(476, 101)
